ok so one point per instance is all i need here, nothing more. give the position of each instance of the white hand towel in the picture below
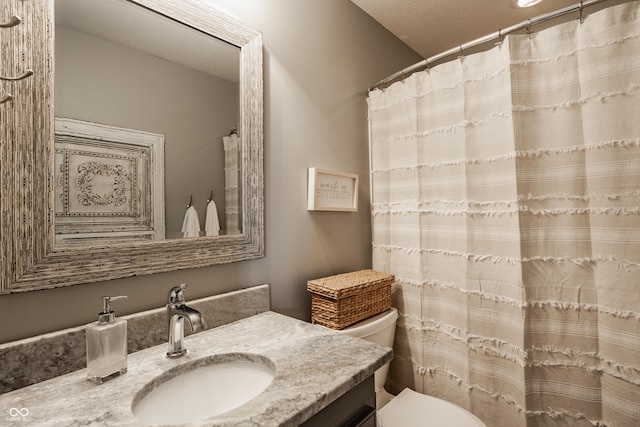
(211, 223)
(191, 223)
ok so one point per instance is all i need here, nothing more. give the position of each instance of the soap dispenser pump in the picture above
(106, 344)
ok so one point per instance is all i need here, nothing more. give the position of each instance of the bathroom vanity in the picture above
(320, 378)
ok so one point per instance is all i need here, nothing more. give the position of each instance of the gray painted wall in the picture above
(320, 57)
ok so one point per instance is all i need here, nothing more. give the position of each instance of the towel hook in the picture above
(210, 197)
(190, 202)
(8, 97)
(15, 20)
(26, 74)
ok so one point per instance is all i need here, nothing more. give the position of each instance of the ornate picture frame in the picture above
(109, 183)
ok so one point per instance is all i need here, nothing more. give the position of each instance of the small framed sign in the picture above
(332, 191)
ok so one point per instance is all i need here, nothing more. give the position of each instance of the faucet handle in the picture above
(176, 294)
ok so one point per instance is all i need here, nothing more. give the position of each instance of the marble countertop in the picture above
(314, 366)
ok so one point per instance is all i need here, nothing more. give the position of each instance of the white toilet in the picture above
(408, 409)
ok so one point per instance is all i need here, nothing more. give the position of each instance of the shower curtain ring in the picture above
(529, 29)
(500, 38)
(461, 57)
(581, 12)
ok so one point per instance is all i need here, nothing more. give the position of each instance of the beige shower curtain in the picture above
(506, 200)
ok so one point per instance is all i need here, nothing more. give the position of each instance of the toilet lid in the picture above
(412, 409)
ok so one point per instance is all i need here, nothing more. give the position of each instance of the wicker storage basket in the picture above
(342, 300)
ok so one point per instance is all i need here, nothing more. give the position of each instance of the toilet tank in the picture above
(379, 329)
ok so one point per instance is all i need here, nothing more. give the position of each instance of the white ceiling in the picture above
(431, 27)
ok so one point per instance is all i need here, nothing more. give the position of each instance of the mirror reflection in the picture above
(146, 110)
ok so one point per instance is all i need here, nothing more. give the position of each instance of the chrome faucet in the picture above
(177, 312)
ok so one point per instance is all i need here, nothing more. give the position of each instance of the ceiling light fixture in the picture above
(528, 3)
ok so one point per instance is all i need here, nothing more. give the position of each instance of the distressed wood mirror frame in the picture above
(30, 260)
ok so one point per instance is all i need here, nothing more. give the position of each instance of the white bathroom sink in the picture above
(203, 388)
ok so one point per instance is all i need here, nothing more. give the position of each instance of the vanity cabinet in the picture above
(355, 408)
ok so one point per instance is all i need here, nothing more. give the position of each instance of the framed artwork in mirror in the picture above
(109, 183)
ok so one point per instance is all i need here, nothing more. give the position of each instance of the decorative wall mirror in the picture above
(173, 83)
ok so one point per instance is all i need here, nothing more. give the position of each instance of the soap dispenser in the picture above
(106, 344)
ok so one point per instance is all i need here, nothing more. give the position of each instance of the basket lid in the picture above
(347, 284)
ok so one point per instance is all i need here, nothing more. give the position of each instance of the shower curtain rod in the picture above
(498, 35)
